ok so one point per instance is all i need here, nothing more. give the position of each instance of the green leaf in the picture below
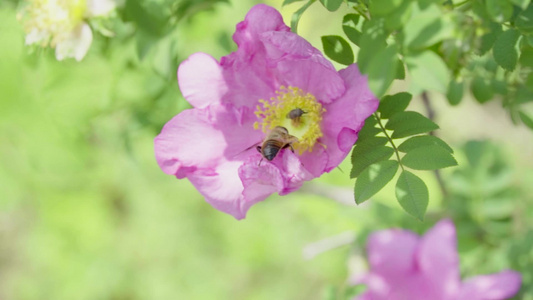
(383, 7)
(366, 145)
(488, 39)
(407, 123)
(362, 157)
(482, 89)
(380, 76)
(354, 290)
(400, 16)
(423, 141)
(428, 72)
(400, 70)
(455, 92)
(368, 130)
(298, 14)
(526, 119)
(371, 42)
(373, 179)
(349, 26)
(412, 194)
(338, 49)
(499, 10)
(427, 27)
(430, 157)
(526, 58)
(524, 21)
(505, 50)
(391, 104)
(286, 2)
(521, 3)
(331, 5)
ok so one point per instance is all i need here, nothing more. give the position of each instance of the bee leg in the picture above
(259, 164)
(292, 149)
(258, 149)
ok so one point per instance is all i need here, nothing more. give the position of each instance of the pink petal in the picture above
(250, 80)
(201, 80)
(438, 260)
(498, 286)
(312, 77)
(289, 45)
(259, 180)
(391, 253)
(261, 18)
(345, 116)
(293, 171)
(222, 188)
(315, 161)
(197, 140)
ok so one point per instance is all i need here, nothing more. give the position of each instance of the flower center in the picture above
(295, 110)
(51, 21)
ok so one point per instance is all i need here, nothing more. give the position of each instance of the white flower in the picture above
(61, 24)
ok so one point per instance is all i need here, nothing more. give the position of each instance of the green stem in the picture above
(390, 139)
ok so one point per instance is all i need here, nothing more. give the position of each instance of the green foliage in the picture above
(505, 49)
(298, 14)
(370, 157)
(455, 92)
(409, 123)
(338, 49)
(373, 179)
(380, 76)
(392, 104)
(422, 141)
(431, 157)
(331, 5)
(349, 26)
(428, 72)
(412, 193)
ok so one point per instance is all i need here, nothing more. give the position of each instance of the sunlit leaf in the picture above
(349, 23)
(368, 130)
(373, 179)
(423, 141)
(430, 157)
(392, 104)
(380, 75)
(427, 28)
(371, 42)
(524, 21)
(338, 49)
(499, 10)
(383, 7)
(331, 5)
(528, 121)
(428, 71)
(412, 194)
(408, 123)
(364, 157)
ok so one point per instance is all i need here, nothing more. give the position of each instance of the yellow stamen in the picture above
(275, 112)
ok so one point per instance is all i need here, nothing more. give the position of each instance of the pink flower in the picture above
(406, 266)
(239, 100)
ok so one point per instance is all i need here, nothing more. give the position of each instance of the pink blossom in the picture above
(406, 266)
(239, 100)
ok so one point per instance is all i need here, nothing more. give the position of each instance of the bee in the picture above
(295, 115)
(279, 138)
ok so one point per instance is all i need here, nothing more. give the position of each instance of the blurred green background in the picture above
(86, 213)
